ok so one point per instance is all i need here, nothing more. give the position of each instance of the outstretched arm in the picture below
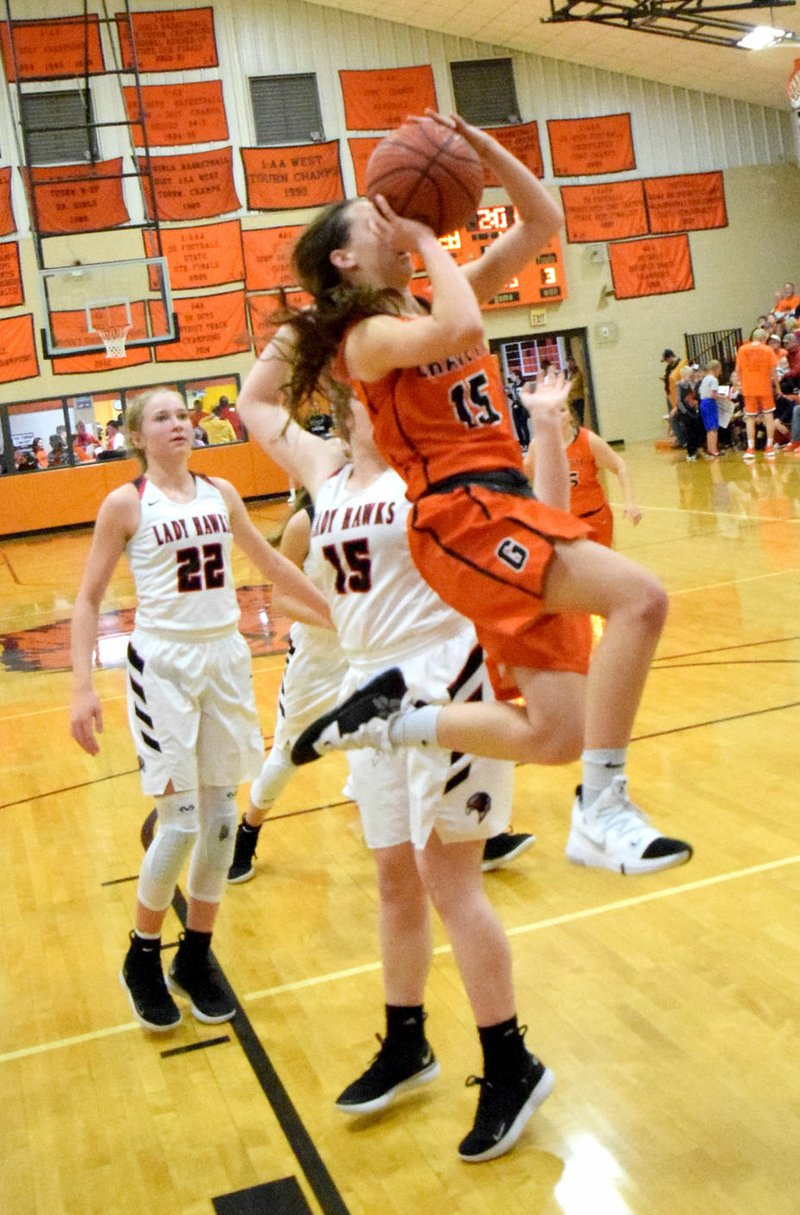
(606, 457)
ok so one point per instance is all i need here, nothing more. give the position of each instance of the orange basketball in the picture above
(428, 172)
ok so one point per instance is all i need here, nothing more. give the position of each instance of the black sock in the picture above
(404, 1025)
(194, 946)
(250, 830)
(503, 1047)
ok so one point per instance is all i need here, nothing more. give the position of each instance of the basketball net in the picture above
(113, 339)
(793, 86)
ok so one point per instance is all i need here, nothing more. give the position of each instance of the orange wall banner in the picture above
(81, 198)
(198, 185)
(267, 257)
(307, 175)
(18, 359)
(360, 152)
(170, 41)
(378, 99)
(11, 292)
(208, 255)
(611, 210)
(523, 141)
(581, 147)
(178, 114)
(261, 309)
(210, 327)
(70, 328)
(49, 50)
(660, 265)
(689, 202)
(7, 222)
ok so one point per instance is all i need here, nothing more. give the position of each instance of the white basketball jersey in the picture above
(180, 558)
(359, 550)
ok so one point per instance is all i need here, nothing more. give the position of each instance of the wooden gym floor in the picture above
(666, 1005)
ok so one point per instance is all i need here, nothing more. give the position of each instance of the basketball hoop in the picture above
(114, 340)
(793, 86)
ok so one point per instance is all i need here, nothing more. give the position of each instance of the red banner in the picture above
(279, 179)
(208, 255)
(170, 41)
(268, 257)
(69, 328)
(657, 266)
(176, 114)
(81, 198)
(378, 99)
(686, 203)
(582, 147)
(523, 142)
(210, 327)
(11, 291)
(360, 152)
(610, 211)
(50, 50)
(7, 222)
(198, 185)
(262, 308)
(18, 359)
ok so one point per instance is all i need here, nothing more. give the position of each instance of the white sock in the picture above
(415, 728)
(599, 769)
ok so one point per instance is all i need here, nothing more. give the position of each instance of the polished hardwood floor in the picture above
(667, 1005)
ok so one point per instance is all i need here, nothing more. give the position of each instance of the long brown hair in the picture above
(319, 330)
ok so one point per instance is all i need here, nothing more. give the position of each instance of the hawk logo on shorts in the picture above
(481, 803)
(513, 553)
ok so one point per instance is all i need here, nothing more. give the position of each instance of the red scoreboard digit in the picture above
(541, 282)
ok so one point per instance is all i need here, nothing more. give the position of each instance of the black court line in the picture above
(717, 721)
(119, 881)
(84, 784)
(313, 1167)
(740, 645)
(185, 1050)
(282, 1197)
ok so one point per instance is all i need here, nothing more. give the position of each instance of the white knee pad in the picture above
(211, 859)
(178, 825)
(272, 779)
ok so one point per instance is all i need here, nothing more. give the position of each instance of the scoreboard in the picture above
(541, 282)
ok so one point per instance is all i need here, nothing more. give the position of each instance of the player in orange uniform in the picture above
(756, 365)
(508, 562)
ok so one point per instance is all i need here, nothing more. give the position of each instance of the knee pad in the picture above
(272, 778)
(213, 853)
(178, 825)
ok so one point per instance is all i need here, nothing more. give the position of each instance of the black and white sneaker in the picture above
(143, 979)
(242, 868)
(507, 846)
(613, 833)
(362, 720)
(391, 1072)
(504, 1107)
(198, 979)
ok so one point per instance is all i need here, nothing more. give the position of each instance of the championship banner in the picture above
(522, 140)
(261, 309)
(379, 99)
(209, 255)
(612, 210)
(11, 290)
(267, 257)
(176, 114)
(18, 359)
(360, 152)
(210, 327)
(81, 198)
(169, 41)
(70, 328)
(659, 265)
(7, 221)
(198, 185)
(52, 50)
(583, 147)
(686, 203)
(306, 175)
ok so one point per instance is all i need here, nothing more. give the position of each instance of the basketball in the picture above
(428, 172)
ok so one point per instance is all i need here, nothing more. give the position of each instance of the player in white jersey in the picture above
(190, 700)
(426, 813)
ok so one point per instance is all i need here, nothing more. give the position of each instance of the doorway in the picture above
(521, 358)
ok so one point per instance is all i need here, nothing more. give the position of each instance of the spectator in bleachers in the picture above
(787, 301)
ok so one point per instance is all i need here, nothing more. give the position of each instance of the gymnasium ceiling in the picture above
(755, 76)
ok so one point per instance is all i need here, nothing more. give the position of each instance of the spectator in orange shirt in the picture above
(756, 365)
(787, 301)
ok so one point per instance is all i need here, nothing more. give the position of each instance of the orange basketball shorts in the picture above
(754, 404)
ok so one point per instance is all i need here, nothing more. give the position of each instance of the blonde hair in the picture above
(134, 412)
